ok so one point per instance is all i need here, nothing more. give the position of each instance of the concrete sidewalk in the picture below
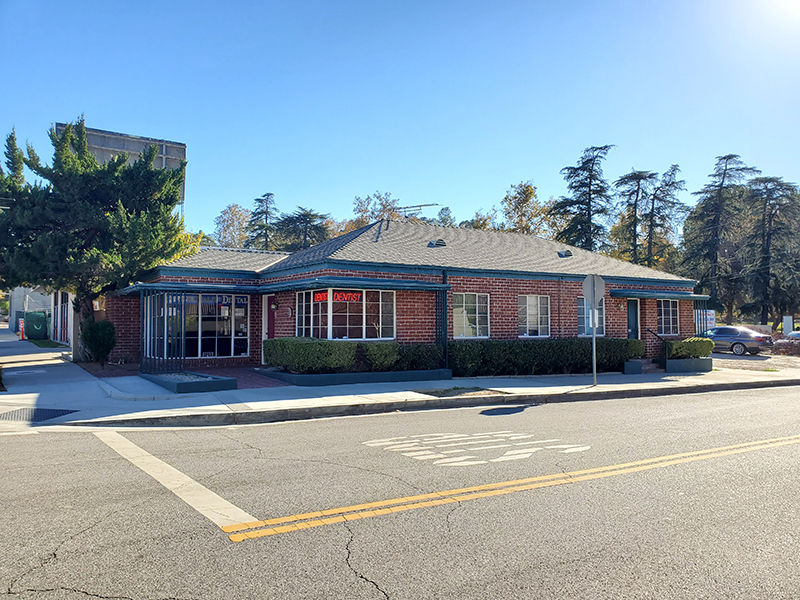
(45, 389)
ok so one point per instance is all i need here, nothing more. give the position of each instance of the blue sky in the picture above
(447, 102)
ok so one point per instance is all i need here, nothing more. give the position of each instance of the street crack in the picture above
(353, 569)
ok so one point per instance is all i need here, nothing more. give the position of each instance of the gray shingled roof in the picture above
(228, 259)
(405, 243)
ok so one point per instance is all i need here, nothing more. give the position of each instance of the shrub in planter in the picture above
(99, 337)
(309, 355)
(418, 357)
(636, 349)
(381, 356)
(694, 347)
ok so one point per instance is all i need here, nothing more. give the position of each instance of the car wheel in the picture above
(738, 349)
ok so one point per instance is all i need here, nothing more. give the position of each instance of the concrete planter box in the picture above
(203, 383)
(632, 367)
(371, 377)
(688, 365)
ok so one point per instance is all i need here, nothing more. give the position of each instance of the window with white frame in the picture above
(533, 316)
(667, 317)
(346, 314)
(584, 317)
(470, 315)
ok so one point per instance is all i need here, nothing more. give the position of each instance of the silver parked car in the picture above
(738, 339)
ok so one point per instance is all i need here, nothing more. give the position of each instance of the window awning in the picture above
(657, 294)
(349, 283)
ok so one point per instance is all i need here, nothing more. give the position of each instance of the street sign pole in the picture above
(594, 288)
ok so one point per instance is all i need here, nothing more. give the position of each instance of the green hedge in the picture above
(99, 337)
(539, 357)
(694, 347)
(311, 355)
(466, 358)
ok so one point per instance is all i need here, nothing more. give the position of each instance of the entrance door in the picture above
(269, 317)
(633, 319)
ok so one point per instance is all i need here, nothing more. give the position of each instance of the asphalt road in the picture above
(677, 497)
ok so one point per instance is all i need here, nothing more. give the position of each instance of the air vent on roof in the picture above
(564, 253)
(440, 243)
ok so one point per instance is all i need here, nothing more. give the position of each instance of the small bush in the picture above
(694, 347)
(418, 357)
(309, 355)
(787, 347)
(636, 349)
(99, 337)
(382, 356)
(537, 357)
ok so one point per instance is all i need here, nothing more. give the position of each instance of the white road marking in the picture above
(218, 510)
(577, 449)
(436, 446)
(20, 433)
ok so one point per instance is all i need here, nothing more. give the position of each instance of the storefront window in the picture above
(197, 325)
(346, 314)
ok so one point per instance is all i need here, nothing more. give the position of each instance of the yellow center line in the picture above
(383, 507)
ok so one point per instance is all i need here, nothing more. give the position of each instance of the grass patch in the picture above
(47, 344)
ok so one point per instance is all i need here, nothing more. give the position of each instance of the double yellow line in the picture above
(256, 529)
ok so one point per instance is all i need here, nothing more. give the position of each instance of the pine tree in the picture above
(92, 228)
(633, 190)
(589, 202)
(774, 208)
(260, 227)
(713, 220)
(662, 218)
(301, 229)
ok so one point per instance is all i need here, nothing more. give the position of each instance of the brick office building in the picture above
(391, 280)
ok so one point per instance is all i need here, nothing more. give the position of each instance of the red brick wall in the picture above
(416, 310)
(123, 311)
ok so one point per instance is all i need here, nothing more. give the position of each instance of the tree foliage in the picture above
(373, 208)
(231, 226)
(633, 189)
(773, 211)
(88, 228)
(714, 219)
(589, 202)
(260, 227)
(301, 229)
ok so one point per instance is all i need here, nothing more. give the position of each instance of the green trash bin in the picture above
(36, 325)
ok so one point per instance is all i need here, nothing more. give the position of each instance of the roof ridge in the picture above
(249, 250)
(360, 231)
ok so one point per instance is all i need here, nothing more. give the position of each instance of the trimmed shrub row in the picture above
(787, 347)
(694, 347)
(539, 357)
(311, 355)
(466, 358)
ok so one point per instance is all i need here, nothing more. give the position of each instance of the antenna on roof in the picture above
(411, 211)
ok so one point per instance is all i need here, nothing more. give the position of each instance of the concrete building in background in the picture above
(108, 144)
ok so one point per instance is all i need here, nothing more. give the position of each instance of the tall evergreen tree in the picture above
(589, 202)
(633, 189)
(713, 220)
(301, 229)
(662, 217)
(91, 228)
(260, 227)
(774, 207)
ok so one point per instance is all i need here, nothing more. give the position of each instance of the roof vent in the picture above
(564, 253)
(440, 243)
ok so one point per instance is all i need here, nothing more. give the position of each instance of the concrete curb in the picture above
(278, 415)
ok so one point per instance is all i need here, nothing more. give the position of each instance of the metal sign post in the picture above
(594, 288)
